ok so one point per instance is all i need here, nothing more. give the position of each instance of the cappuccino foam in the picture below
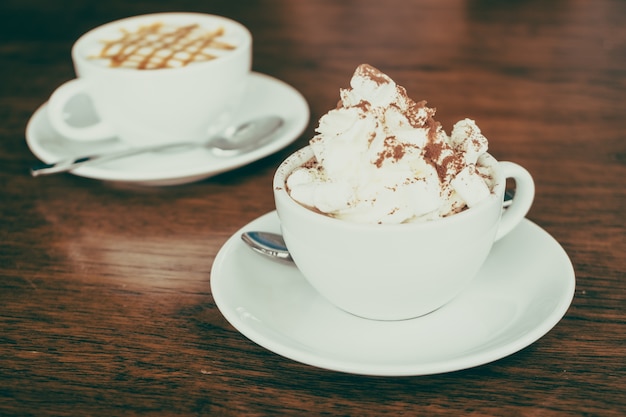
(160, 45)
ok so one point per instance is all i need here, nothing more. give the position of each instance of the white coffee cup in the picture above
(397, 271)
(148, 106)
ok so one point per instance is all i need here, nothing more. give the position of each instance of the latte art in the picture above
(158, 46)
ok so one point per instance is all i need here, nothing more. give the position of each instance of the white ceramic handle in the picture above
(523, 199)
(56, 114)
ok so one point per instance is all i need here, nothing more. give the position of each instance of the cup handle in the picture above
(56, 114)
(523, 199)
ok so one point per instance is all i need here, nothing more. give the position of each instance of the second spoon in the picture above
(233, 141)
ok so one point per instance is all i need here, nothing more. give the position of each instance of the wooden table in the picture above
(105, 300)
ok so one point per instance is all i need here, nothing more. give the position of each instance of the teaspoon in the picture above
(233, 141)
(267, 243)
(273, 245)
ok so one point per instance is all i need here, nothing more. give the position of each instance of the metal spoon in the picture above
(269, 244)
(273, 245)
(233, 141)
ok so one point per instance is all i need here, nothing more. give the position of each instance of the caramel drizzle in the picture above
(152, 48)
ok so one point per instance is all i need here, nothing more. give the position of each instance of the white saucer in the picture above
(523, 290)
(265, 95)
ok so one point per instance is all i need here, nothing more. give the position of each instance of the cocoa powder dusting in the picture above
(364, 105)
(434, 150)
(373, 74)
(311, 163)
(398, 151)
(433, 128)
(393, 150)
(432, 153)
(371, 138)
(414, 117)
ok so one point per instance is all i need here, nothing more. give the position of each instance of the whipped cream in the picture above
(380, 157)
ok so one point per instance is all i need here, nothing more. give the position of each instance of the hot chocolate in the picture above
(381, 157)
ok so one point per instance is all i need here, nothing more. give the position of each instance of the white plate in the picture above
(265, 95)
(523, 290)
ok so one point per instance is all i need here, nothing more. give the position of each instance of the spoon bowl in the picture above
(268, 244)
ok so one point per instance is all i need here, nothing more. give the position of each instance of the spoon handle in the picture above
(65, 165)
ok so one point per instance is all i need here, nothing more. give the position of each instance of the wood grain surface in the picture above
(105, 301)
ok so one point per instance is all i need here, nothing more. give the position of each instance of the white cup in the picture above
(148, 106)
(397, 271)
